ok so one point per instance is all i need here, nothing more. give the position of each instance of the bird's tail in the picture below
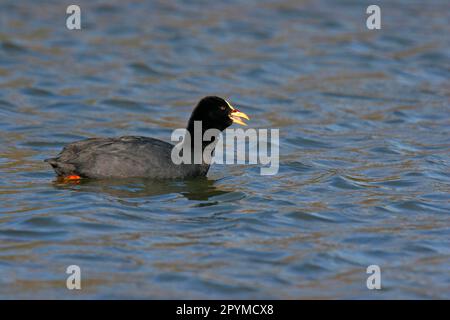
(52, 161)
(61, 168)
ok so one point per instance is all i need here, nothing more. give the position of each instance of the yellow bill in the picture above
(236, 115)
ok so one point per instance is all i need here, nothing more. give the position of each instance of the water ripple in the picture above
(364, 162)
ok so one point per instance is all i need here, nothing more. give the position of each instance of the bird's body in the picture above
(135, 156)
(124, 157)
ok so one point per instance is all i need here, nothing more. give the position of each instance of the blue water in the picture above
(364, 178)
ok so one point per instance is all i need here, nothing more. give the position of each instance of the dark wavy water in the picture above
(364, 119)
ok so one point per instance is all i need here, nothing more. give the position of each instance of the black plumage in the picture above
(136, 156)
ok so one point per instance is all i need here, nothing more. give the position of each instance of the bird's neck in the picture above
(194, 140)
(196, 133)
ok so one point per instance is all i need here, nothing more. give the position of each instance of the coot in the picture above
(136, 156)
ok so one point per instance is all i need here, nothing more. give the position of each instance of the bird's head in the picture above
(216, 113)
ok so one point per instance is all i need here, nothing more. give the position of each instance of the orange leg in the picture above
(73, 178)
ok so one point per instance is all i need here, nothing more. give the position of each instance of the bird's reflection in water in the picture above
(200, 189)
